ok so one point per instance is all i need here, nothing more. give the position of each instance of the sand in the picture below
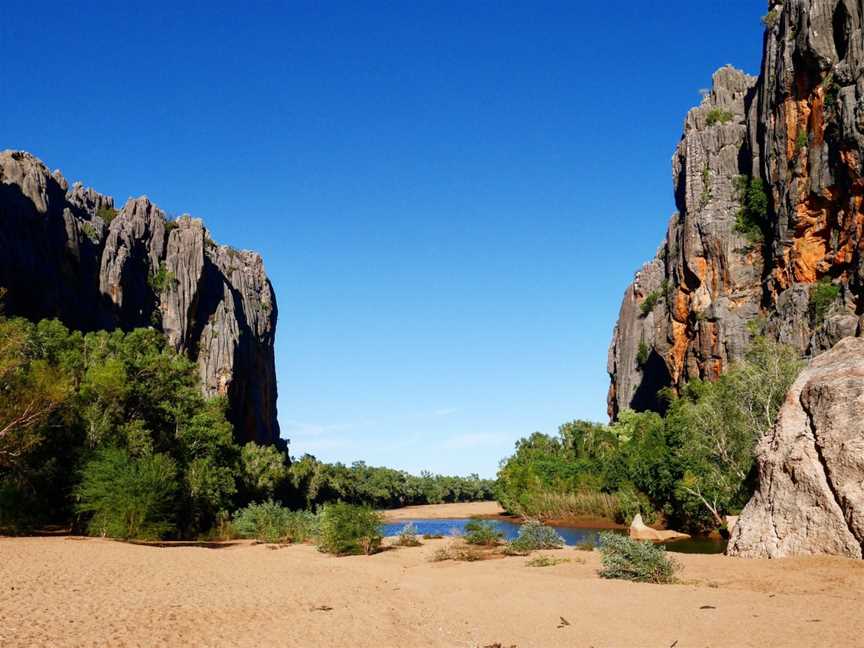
(444, 511)
(57, 591)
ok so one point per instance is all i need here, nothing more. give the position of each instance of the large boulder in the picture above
(810, 497)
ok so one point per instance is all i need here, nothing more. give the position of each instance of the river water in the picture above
(571, 535)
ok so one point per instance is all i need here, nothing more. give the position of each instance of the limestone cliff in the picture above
(67, 253)
(796, 134)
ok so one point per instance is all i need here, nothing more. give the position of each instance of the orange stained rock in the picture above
(681, 308)
(677, 353)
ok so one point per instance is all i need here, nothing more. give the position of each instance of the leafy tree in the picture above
(126, 497)
(263, 469)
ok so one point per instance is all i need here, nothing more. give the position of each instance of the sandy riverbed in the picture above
(444, 511)
(91, 592)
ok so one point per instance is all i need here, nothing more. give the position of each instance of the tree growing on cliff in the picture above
(717, 425)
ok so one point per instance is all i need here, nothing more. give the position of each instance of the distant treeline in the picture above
(694, 465)
(108, 432)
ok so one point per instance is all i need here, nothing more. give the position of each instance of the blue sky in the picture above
(450, 197)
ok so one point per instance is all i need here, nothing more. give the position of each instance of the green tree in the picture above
(128, 498)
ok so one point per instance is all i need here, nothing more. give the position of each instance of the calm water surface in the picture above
(571, 535)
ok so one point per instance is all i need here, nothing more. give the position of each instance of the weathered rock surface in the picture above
(810, 498)
(60, 258)
(799, 128)
(641, 531)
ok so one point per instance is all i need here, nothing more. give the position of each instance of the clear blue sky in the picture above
(450, 197)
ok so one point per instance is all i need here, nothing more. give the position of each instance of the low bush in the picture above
(432, 536)
(458, 552)
(272, 522)
(128, 498)
(627, 559)
(346, 529)
(408, 536)
(482, 532)
(718, 116)
(548, 561)
(585, 545)
(822, 295)
(649, 302)
(533, 535)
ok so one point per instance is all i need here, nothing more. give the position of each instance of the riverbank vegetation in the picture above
(693, 465)
(108, 433)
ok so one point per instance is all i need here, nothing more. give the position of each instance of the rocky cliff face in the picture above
(794, 136)
(67, 253)
(810, 498)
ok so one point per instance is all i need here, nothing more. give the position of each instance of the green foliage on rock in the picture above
(649, 302)
(718, 116)
(162, 279)
(771, 18)
(822, 295)
(627, 559)
(642, 354)
(752, 218)
(346, 529)
(107, 214)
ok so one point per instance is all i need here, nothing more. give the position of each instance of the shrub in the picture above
(457, 552)
(432, 536)
(90, 232)
(770, 19)
(628, 559)
(533, 535)
(752, 217)
(272, 522)
(161, 279)
(482, 532)
(346, 529)
(107, 214)
(822, 295)
(718, 116)
(547, 561)
(649, 302)
(585, 545)
(642, 354)
(265, 522)
(408, 536)
(128, 498)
